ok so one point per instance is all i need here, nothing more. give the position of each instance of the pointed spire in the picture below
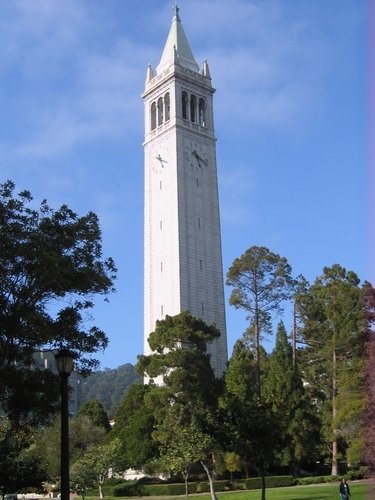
(206, 69)
(149, 73)
(178, 46)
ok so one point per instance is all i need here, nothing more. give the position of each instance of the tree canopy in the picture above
(261, 282)
(334, 330)
(51, 267)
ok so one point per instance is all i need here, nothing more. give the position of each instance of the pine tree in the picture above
(333, 315)
(297, 417)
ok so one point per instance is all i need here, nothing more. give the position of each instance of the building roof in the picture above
(177, 49)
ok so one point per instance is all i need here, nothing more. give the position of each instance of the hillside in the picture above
(109, 386)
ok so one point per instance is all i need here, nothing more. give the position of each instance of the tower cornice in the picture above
(177, 71)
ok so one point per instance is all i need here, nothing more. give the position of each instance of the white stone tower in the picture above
(182, 254)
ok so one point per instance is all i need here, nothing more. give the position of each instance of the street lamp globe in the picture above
(65, 362)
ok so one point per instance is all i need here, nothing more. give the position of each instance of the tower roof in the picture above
(177, 48)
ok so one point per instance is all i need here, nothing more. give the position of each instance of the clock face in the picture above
(195, 156)
(159, 159)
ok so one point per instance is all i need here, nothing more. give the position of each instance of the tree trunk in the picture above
(210, 480)
(335, 465)
(101, 495)
(257, 342)
(186, 477)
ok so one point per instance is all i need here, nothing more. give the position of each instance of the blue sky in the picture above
(291, 119)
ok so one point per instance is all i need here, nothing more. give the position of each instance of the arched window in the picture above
(184, 105)
(167, 107)
(160, 110)
(153, 116)
(193, 108)
(202, 112)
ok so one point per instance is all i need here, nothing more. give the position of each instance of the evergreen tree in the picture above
(261, 282)
(94, 410)
(297, 416)
(333, 315)
(250, 427)
(134, 425)
(190, 389)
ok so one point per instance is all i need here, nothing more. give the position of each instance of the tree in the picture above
(184, 446)
(233, 463)
(134, 425)
(250, 428)
(51, 266)
(369, 296)
(333, 317)
(180, 358)
(297, 417)
(82, 476)
(19, 468)
(95, 466)
(261, 282)
(95, 412)
(84, 435)
(190, 390)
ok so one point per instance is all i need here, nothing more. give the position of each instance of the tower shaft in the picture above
(182, 241)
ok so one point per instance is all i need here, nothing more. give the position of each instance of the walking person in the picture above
(344, 490)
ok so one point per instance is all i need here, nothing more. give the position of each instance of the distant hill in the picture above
(109, 386)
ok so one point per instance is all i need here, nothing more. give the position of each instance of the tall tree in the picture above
(180, 359)
(189, 390)
(250, 428)
(261, 282)
(297, 416)
(51, 266)
(94, 410)
(369, 294)
(332, 311)
(134, 425)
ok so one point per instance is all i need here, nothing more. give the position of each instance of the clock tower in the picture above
(182, 243)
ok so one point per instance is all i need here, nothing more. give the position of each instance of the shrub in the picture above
(310, 480)
(362, 472)
(279, 481)
(166, 489)
(255, 483)
(129, 489)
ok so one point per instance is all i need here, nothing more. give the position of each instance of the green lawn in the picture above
(359, 491)
(314, 492)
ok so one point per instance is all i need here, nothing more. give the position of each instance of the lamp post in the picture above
(64, 361)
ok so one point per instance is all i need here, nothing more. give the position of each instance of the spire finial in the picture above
(176, 10)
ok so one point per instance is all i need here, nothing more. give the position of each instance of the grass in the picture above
(312, 492)
(359, 491)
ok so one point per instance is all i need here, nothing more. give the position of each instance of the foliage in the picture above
(180, 357)
(83, 436)
(183, 445)
(297, 417)
(19, 468)
(109, 386)
(254, 483)
(94, 410)
(250, 428)
(189, 394)
(134, 424)
(82, 476)
(96, 464)
(261, 282)
(333, 329)
(51, 266)
(233, 463)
